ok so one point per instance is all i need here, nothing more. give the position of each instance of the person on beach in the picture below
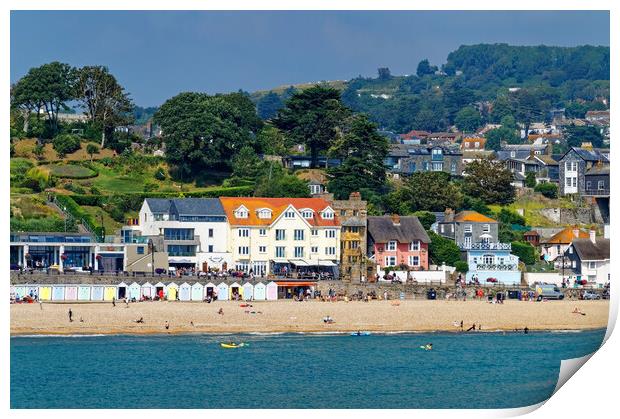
(221, 311)
(41, 304)
(113, 302)
(577, 311)
(479, 326)
(192, 323)
(167, 325)
(526, 330)
(461, 325)
(126, 302)
(140, 320)
(70, 315)
(81, 319)
(473, 327)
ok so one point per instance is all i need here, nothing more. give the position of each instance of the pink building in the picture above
(395, 240)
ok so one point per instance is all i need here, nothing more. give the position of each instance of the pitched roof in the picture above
(472, 216)
(277, 207)
(567, 236)
(592, 251)
(588, 155)
(382, 229)
(198, 206)
(599, 170)
(159, 205)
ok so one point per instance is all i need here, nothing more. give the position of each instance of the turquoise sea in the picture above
(478, 370)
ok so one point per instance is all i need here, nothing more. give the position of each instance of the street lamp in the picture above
(152, 252)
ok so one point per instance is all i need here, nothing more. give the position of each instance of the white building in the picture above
(590, 259)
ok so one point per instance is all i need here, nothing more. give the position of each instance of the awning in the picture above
(299, 262)
(180, 260)
(295, 283)
(322, 263)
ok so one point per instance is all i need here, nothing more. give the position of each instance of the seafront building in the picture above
(589, 259)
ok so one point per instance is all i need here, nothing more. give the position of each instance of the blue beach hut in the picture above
(96, 293)
(197, 291)
(134, 291)
(222, 291)
(185, 292)
(248, 291)
(19, 291)
(84, 292)
(260, 292)
(58, 293)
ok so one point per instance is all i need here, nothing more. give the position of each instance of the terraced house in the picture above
(283, 235)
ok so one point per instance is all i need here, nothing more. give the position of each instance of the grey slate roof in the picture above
(406, 150)
(586, 250)
(198, 206)
(596, 170)
(353, 222)
(589, 155)
(159, 205)
(382, 229)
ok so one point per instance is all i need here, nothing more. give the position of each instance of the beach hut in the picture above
(96, 293)
(147, 290)
(109, 293)
(248, 291)
(172, 290)
(272, 291)
(18, 291)
(197, 291)
(32, 290)
(84, 293)
(71, 292)
(222, 291)
(235, 289)
(185, 292)
(58, 292)
(134, 291)
(160, 289)
(260, 292)
(14, 293)
(45, 293)
(121, 291)
(209, 290)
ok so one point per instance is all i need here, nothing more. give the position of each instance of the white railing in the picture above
(495, 267)
(487, 246)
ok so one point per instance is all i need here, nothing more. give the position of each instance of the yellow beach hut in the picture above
(109, 293)
(235, 289)
(45, 293)
(172, 291)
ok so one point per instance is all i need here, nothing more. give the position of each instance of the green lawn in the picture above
(532, 205)
(72, 171)
(110, 224)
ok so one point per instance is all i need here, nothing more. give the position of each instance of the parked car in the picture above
(591, 295)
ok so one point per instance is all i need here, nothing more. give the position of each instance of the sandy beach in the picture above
(289, 316)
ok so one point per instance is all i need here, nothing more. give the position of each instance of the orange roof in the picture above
(277, 207)
(473, 216)
(567, 236)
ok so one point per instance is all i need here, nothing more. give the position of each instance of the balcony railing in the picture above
(486, 246)
(596, 192)
(496, 267)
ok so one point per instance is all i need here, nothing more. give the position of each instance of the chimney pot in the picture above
(593, 236)
(576, 232)
(396, 219)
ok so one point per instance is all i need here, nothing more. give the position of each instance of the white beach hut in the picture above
(14, 293)
(121, 291)
(272, 291)
(84, 292)
(71, 292)
(235, 288)
(248, 291)
(209, 290)
(185, 292)
(222, 291)
(160, 289)
(172, 291)
(19, 291)
(134, 291)
(96, 293)
(58, 292)
(147, 290)
(197, 291)
(260, 292)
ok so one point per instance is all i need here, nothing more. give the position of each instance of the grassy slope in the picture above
(532, 205)
(23, 148)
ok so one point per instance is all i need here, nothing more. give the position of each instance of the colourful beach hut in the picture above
(209, 290)
(235, 289)
(248, 291)
(58, 292)
(147, 290)
(32, 290)
(272, 291)
(160, 288)
(18, 292)
(222, 291)
(260, 292)
(96, 293)
(84, 293)
(71, 292)
(134, 291)
(109, 293)
(14, 293)
(45, 293)
(197, 291)
(185, 292)
(172, 290)
(121, 291)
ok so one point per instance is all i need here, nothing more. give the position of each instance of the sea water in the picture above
(466, 370)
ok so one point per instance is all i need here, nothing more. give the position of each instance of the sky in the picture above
(158, 54)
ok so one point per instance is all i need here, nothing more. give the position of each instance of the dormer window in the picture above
(307, 213)
(327, 214)
(241, 212)
(264, 213)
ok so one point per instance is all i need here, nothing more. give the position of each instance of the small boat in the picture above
(360, 334)
(232, 345)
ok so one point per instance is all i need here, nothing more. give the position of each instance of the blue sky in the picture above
(157, 54)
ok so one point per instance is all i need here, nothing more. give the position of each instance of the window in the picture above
(315, 232)
(210, 232)
(262, 232)
(391, 246)
(259, 267)
(437, 166)
(571, 166)
(441, 228)
(330, 233)
(315, 189)
(601, 185)
(289, 214)
(414, 261)
(390, 261)
(280, 234)
(178, 234)
(414, 245)
(264, 213)
(243, 232)
(210, 248)
(343, 213)
(468, 228)
(181, 250)
(486, 228)
(488, 259)
(588, 185)
(299, 235)
(354, 229)
(299, 252)
(306, 214)
(354, 244)
(244, 250)
(591, 265)
(241, 212)
(477, 144)
(241, 266)
(327, 214)
(280, 251)
(453, 167)
(570, 249)
(513, 154)
(314, 249)
(330, 251)
(568, 182)
(140, 250)
(262, 249)
(356, 213)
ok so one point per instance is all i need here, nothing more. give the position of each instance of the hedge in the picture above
(79, 214)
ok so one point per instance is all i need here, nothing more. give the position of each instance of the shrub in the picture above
(530, 179)
(443, 250)
(78, 213)
(89, 200)
(107, 161)
(525, 251)
(461, 266)
(426, 218)
(66, 143)
(160, 174)
(47, 224)
(37, 179)
(549, 190)
(74, 188)
(92, 149)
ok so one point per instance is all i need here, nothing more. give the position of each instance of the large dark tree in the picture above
(269, 105)
(576, 135)
(431, 191)
(490, 181)
(311, 117)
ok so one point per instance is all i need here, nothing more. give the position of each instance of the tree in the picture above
(489, 181)
(201, 132)
(576, 135)
(428, 120)
(105, 102)
(548, 189)
(496, 136)
(461, 266)
(276, 182)
(468, 119)
(525, 252)
(92, 149)
(442, 250)
(311, 117)
(49, 86)
(426, 218)
(530, 179)
(362, 150)
(431, 191)
(384, 73)
(65, 144)
(247, 164)
(425, 68)
(271, 141)
(247, 116)
(269, 105)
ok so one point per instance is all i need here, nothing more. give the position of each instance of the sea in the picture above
(463, 370)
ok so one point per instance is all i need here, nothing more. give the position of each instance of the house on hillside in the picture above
(544, 167)
(521, 151)
(574, 165)
(491, 263)
(473, 144)
(406, 159)
(557, 244)
(467, 228)
(589, 259)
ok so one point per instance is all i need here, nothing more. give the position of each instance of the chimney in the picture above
(396, 219)
(593, 236)
(586, 145)
(576, 232)
(449, 215)
(355, 196)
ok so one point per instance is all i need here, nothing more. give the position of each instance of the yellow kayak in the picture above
(232, 345)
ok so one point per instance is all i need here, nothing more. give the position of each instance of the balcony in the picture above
(496, 267)
(486, 246)
(596, 192)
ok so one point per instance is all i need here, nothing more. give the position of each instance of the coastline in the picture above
(278, 317)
